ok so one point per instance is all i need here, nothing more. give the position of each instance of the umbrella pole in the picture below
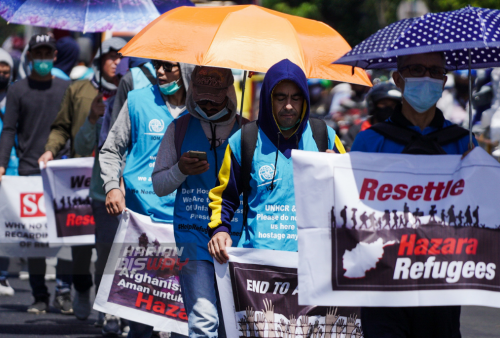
(471, 145)
(243, 91)
(100, 62)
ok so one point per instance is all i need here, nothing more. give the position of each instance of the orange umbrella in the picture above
(245, 37)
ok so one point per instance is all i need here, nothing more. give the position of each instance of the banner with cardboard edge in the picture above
(23, 222)
(398, 230)
(66, 186)
(141, 277)
(258, 290)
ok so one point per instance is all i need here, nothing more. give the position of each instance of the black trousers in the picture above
(411, 322)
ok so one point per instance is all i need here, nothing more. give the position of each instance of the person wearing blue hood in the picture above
(266, 178)
(67, 57)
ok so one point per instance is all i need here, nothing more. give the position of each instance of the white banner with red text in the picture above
(141, 278)
(23, 222)
(66, 186)
(398, 230)
(258, 290)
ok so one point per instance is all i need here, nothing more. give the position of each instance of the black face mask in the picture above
(382, 114)
(462, 88)
(4, 82)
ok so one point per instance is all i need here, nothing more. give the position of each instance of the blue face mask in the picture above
(214, 117)
(422, 92)
(170, 88)
(42, 67)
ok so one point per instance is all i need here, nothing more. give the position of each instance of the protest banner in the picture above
(23, 223)
(141, 278)
(259, 291)
(398, 230)
(66, 186)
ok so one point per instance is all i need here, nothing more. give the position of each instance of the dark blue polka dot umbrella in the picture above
(455, 33)
(469, 38)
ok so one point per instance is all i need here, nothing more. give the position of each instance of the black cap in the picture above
(40, 40)
(384, 90)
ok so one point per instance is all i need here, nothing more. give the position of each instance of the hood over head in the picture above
(212, 90)
(67, 54)
(6, 58)
(281, 71)
(107, 45)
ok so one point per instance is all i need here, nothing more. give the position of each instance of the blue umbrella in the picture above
(469, 38)
(87, 15)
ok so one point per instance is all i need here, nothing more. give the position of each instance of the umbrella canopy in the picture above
(244, 37)
(87, 15)
(454, 33)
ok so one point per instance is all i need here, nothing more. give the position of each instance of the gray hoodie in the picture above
(113, 153)
(167, 176)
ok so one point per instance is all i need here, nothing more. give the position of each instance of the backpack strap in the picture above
(249, 135)
(448, 134)
(416, 143)
(395, 133)
(148, 74)
(241, 120)
(320, 133)
(181, 125)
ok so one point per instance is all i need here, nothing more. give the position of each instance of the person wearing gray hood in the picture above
(134, 139)
(188, 162)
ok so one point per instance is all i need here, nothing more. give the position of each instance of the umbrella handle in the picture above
(243, 91)
(471, 144)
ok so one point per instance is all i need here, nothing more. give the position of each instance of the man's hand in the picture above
(97, 109)
(217, 246)
(2, 172)
(330, 151)
(115, 202)
(192, 166)
(46, 157)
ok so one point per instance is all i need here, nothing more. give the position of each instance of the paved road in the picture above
(15, 322)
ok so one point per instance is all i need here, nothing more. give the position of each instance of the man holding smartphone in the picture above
(134, 139)
(188, 161)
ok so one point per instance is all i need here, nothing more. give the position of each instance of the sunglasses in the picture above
(167, 66)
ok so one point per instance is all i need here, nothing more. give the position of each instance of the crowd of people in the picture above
(178, 126)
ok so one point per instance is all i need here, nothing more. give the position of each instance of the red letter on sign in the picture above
(405, 244)
(384, 193)
(369, 186)
(457, 188)
(149, 301)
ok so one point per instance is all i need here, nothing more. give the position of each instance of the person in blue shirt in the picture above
(421, 78)
(283, 125)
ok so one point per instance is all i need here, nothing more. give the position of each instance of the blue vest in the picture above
(139, 78)
(191, 203)
(271, 220)
(149, 119)
(12, 167)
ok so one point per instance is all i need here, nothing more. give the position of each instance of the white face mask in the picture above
(214, 117)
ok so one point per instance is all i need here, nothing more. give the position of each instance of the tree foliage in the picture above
(358, 19)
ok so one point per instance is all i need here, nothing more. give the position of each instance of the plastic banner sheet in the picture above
(66, 186)
(141, 278)
(398, 230)
(259, 296)
(23, 222)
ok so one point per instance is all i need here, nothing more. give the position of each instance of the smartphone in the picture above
(201, 155)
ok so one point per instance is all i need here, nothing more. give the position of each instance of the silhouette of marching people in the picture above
(463, 218)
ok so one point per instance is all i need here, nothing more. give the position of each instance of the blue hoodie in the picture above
(268, 187)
